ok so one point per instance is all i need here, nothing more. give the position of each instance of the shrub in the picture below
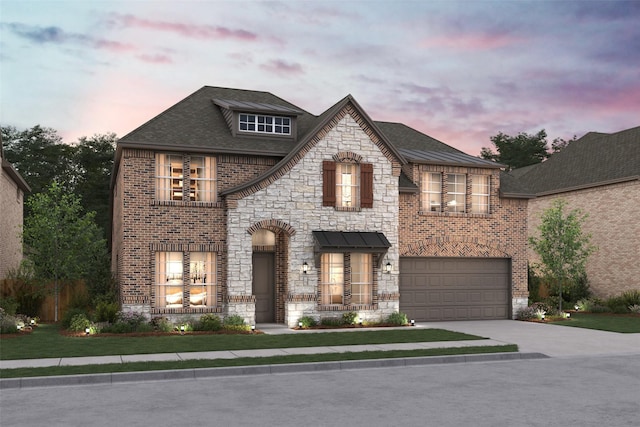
(307, 321)
(634, 308)
(79, 323)
(233, 320)
(397, 318)
(70, 314)
(331, 321)
(118, 328)
(7, 323)
(208, 322)
(349, 318)
(132, 318)
(107, 311)
(161, 324)
(527, 313)
(9, 305)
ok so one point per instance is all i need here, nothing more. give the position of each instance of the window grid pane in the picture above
(202, 179)
(332, 279)
(361, 278)
(202, 290)
(480, 194)
(265, 124)
(431, 191)
(347, 185)
(456, 190)
(169, 177)
(169, 279)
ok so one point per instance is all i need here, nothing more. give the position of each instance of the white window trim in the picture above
(269, 121)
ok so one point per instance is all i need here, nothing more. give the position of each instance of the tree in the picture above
(62, 243)
(40, 156)
(562, 246)
(519, 151)
(93, 158)
(560, 144)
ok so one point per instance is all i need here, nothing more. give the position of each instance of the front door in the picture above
(264, 286)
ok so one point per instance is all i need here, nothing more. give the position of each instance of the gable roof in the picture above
(593, 160)
(12, 172)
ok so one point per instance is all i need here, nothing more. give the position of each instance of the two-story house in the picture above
(12, 191)
(239, 202)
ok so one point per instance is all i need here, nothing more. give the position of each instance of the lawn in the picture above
(46, 341)
(628, 324)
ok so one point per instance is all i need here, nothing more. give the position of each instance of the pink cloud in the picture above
(156, 59)
(469, 42)
(185, 30)
(281, 67)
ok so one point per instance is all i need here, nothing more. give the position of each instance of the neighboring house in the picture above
(239, 202)
(12, 190)
(599, 174)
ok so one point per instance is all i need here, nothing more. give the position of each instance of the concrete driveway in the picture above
(551, 339)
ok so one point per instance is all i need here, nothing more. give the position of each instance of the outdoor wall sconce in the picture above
(387, 268)
(413, 322)
(305, 267)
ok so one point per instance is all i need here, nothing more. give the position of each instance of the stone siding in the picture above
(614, 224)
(295, 199)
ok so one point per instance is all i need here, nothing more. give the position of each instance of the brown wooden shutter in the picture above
(328, 183)
(366, 185)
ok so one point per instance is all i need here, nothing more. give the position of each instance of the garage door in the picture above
(454, 288)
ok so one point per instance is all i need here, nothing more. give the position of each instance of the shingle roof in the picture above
(447, 158)
(593, 160)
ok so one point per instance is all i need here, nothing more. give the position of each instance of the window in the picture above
(171, 179)
(456, 191)
(201, 285)
(480, 194)
(169, 283)
(347, 185)
(332, 278)
(431, 191)
(265, 124)
(361, 278)
(202, 183)
(171, 289)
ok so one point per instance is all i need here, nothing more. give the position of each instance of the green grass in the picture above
(603, 322)
(46, 341)
(246, 361)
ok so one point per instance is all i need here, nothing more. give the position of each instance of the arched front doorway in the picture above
(264, 277)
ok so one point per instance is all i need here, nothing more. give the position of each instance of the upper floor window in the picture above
(456, 192)
(480, 194)
(186, 178)
(265, 124)
(347, 185)
(431, 191)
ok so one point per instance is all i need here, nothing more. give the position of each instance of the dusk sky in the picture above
(459, 71)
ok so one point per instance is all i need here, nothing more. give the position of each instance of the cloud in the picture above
(182, 29)
(470, 42)
(56, 35)
(155, 59)
(281, 67)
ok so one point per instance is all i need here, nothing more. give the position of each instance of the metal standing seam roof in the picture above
(351, 240)
(447, 158)
(256, 106)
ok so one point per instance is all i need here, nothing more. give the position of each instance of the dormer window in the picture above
(265, 124)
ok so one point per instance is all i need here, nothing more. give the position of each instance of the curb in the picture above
(203, 373)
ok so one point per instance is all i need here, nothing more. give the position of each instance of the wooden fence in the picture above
(69, 293)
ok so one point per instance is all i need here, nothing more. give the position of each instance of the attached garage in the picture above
(433, 289)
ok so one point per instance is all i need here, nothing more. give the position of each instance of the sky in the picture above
(459, 71)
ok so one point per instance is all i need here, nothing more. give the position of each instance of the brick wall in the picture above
(11, 210)
(614, 224)
(500, 234)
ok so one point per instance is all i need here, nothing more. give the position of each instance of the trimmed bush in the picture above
(107, 311)
(208, 322)
(307, 322)
(79, 323)
(70, 314)
(349, 318)
(331, 321)
(161, 324)
(397, 318)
